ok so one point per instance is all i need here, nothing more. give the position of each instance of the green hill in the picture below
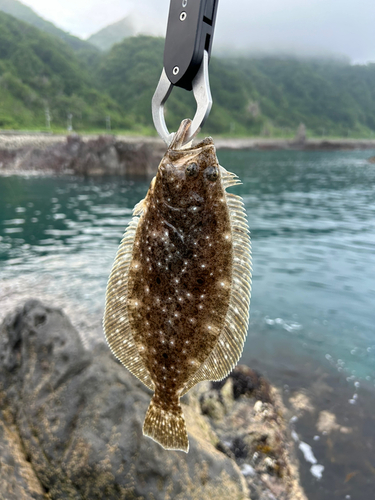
(251, 96)
(39, 73)
(330, 96)
(130, 73)
(110, 35)
(26, 14)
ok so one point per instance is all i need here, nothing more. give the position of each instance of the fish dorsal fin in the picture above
(230, 344)
(116, 320)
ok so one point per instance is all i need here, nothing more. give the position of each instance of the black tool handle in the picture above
(190, 32)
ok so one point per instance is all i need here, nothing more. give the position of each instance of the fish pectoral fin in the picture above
(139, 207)
(166, 426)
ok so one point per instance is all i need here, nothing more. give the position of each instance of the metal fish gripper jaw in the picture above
(187, 52)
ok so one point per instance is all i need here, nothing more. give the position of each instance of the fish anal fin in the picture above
(116, 321)
(229, 347)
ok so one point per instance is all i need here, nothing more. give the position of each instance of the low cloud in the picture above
(309, 27)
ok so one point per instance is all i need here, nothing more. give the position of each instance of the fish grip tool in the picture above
(187, 51)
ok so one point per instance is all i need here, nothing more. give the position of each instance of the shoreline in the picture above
(322, 418)
(13, 140)
(292, 144)
(131, 156)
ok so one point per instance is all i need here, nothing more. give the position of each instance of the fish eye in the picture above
(192, 170)
(212, 173)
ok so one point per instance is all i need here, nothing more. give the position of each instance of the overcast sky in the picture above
(344, 27)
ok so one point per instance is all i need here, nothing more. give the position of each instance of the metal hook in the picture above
(202, 95)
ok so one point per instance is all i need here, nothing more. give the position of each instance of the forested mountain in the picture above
(40, 73)
(329, 96)
(251, 96)
(26, 14)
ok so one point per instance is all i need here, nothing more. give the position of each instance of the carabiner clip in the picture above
(186, 56)
(202, 95)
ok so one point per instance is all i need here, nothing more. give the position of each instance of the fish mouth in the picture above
(178, 141)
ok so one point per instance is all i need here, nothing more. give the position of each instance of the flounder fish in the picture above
(177, 303)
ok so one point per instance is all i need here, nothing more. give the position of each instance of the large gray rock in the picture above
(72, 421)
(18, 480)
(71, 426)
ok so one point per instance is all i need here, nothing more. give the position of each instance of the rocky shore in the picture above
(122, 155)
(75, 155)
(71, 426)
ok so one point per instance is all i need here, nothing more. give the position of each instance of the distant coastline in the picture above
(96, 155)
(13, 139)
(266, 144)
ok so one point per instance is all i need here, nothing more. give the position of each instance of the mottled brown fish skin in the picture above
(184, 272)
(179, 280)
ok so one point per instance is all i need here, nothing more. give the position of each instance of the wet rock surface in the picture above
(252, 430)
(71, 426)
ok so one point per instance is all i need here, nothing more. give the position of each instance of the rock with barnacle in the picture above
(71, 426)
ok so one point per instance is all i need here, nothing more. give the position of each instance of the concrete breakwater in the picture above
(125, 155)
(73, 154)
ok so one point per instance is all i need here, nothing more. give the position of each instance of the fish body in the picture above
(177, 303)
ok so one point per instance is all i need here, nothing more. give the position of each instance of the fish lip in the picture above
(179, 142)
(203, 144)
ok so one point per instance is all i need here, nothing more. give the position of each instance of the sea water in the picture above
(312, 220)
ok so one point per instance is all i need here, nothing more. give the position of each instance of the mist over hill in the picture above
(251, 96)
(40, 74)
(110, 35)
(26, 14)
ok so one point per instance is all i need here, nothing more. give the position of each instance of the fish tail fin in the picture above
(166, 426)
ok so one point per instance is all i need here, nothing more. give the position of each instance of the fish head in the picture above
(189, 176)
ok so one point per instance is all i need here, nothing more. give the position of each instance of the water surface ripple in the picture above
(312, 220)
